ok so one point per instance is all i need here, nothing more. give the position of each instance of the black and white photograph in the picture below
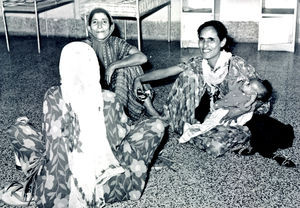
(150, 103)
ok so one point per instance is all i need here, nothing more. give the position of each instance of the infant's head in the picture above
(262, 88)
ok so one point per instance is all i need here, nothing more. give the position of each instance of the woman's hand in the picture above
(137, 85)
(234, 113)
(108, 73)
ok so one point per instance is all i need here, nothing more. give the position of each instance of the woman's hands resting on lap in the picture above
(137, 85)
(234, 113)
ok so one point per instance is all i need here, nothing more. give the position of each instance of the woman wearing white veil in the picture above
(87, 154)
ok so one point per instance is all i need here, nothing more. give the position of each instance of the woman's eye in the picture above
(105, 22)
(94, 22)
(208, 40)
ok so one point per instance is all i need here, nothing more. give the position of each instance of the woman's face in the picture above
(210, 45)
(100, 26)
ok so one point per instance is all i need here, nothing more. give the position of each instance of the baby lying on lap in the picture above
(242, 96)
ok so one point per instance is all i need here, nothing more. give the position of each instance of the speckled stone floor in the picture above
(195, 180)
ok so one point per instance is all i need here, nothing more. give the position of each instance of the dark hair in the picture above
(269, 91)
(221, 32)
(99, 10)
(266, 94)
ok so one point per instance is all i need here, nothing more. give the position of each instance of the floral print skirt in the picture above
(43, 155)
(182, 101)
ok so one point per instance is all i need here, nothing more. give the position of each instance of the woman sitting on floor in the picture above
(201, 82)
(214, 73)
(120, 63)
(87, 154)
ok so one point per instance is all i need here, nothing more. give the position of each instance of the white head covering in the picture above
(80, 75)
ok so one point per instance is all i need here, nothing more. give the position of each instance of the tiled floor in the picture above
(196, 179)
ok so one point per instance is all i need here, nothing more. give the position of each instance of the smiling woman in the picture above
(100, 25)
(212, 74)
(120, 63)
(212, 39)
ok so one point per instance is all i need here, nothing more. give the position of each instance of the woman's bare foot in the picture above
(150, 109)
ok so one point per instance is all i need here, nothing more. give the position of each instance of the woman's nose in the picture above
(205, 43)
(99, 24)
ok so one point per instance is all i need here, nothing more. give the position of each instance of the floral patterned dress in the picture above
(186, 94)
(44, 155)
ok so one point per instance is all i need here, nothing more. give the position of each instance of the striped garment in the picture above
(109, 51)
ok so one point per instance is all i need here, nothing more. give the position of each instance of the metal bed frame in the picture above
(29, 6)
(128, 9)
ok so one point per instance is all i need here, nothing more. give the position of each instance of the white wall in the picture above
(226, 10)
(238, 10)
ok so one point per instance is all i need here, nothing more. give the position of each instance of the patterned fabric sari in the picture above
(70, 164)
(186, 94)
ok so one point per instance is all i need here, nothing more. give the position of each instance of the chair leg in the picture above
(169, 23)
(85, 25)
(46, 20)
(37, 27)
(138, 20)
(5, 29)
(125, 29)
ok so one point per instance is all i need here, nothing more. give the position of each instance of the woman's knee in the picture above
(122, 187)
(216, 148)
